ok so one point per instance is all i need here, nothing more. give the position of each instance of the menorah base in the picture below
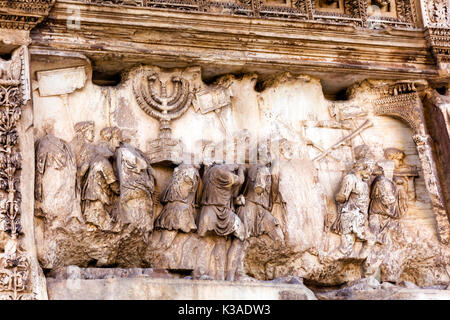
(165, 151)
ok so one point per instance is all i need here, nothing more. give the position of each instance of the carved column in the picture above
(402, 101)
(20, 274)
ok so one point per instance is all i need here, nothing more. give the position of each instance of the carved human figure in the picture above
(96, 177)
(387, 205)
(179, 199)
(137, 183)
(402, 195)
(55, 181)
(353, 203)
(221, 187)
(404, 174)
(256, 216)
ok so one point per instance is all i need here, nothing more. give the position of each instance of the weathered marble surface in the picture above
(208, 161)
(147, 287)
(300, 123)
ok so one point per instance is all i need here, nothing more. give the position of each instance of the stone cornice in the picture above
(140, 35)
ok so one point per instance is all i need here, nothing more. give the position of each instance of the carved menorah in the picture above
(162, 106)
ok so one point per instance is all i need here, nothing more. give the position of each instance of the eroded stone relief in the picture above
(252, 187)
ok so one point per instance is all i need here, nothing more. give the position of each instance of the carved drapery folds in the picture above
(402, 101)
(14, 94)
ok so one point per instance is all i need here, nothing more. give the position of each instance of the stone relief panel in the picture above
(256, 184)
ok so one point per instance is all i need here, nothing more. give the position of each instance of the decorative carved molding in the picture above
(439, 42)
(403, 106)
(352, 12)
(436, 16)
(14, 273)
(437, 13)
(23, 14)
(14, 94)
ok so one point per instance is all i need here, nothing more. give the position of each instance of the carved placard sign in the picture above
(211, 99)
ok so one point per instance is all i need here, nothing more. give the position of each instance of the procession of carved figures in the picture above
(115, 184)
(101, 201)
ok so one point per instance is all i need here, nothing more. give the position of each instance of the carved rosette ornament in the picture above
(14, 94)
(152, 96)
(402, 101)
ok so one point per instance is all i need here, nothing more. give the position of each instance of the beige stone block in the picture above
(61, 81)
(173, 289)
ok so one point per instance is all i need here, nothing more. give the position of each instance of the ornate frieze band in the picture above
(360, 13)
(436, 16)
(23, 14)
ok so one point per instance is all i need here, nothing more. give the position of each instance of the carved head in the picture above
(86, 130)
(395, 155)
(364, 168)
(362, 152)
(112, 135)
(185, 177)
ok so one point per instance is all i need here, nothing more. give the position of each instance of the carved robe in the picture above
(137, 184)
(256, 213)
(353, 212)
(55, 180)
(384, 210)
(217, 215)
(179, 200)
(96, 193)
